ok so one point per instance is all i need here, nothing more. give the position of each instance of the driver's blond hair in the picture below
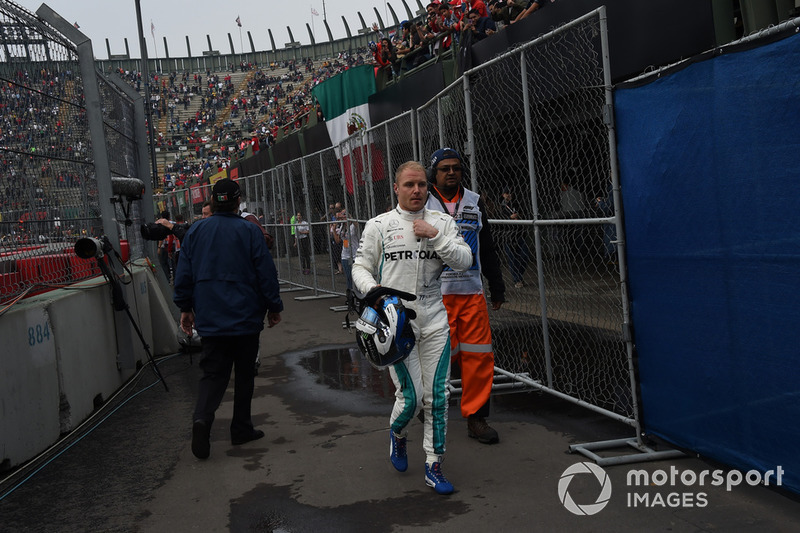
(408, 165)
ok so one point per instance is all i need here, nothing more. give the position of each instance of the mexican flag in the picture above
(344, 100)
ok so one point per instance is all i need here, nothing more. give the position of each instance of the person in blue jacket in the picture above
(225, 284)
(480, 26)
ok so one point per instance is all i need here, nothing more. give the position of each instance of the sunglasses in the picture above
(448, 168)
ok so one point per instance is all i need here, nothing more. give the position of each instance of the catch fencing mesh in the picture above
(121, 146)
(48, 188)
(542, 162)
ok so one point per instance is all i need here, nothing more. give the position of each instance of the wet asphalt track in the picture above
(323, 464)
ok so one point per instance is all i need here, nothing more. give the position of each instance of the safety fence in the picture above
(53, 183)
(534, 128)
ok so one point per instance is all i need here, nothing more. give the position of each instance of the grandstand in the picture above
(204, 121)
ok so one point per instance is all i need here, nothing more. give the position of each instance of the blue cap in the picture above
(443, 153)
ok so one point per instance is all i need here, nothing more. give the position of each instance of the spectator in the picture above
(254, 219)
(504, 11)
(303, 242)
(573, 206)
(432, 18)
(178, 230)
(532, 7)
(514, 244)
(165, 248)
(348, 237)
(449, 21)
(481, 27)
(336, 248)
(468, 5)
(411, 44)
(386, 55)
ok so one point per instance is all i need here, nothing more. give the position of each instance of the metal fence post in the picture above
(280, 230)
(307, 200)
(440, 121)
(262, 181)
(366, 162)
(618, 216)
(284, 201)
(473, 164)
(537, 232)
(416, 143)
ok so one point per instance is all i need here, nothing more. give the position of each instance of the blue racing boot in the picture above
(434, 478)
(397, 452)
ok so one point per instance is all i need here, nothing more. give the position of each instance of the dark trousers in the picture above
(517, 256)
(305, 253)
(336, 254)
(220, 355)
(166, 263)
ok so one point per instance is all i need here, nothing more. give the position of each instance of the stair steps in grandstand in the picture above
(239, 81)
(167, 155)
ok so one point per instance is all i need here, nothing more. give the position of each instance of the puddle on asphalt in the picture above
(347, 370)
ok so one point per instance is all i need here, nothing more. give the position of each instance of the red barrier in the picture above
(54, 268)
(124, 250)
(10, 284)
(62, 267)
(83, 268)
(28, 268)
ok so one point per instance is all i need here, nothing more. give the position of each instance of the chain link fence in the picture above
(541, 158)
(533, 127)
(50, 195)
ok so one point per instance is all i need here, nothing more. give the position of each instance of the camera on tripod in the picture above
(89, 247)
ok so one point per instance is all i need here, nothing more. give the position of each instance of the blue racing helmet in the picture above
(384, 333)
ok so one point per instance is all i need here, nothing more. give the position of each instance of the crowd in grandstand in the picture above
(445, 23)
(232, 119)
(208, 120)
(43, 130)
(204, 120)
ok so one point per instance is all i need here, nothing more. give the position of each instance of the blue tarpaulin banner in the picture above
(710, 174)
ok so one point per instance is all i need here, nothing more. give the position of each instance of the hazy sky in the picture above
(175, 19)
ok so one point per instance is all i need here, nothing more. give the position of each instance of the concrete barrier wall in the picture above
(29, 384)
(65, 352)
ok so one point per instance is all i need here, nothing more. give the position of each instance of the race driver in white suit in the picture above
(406, 249)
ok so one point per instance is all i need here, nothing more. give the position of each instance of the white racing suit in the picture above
(391, 255)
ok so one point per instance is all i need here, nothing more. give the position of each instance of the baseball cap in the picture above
(226, 191)
(443, 153)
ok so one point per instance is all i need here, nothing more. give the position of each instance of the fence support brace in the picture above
(645, 453)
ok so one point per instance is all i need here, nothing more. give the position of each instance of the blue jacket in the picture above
(226, 275)
(484, 23)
